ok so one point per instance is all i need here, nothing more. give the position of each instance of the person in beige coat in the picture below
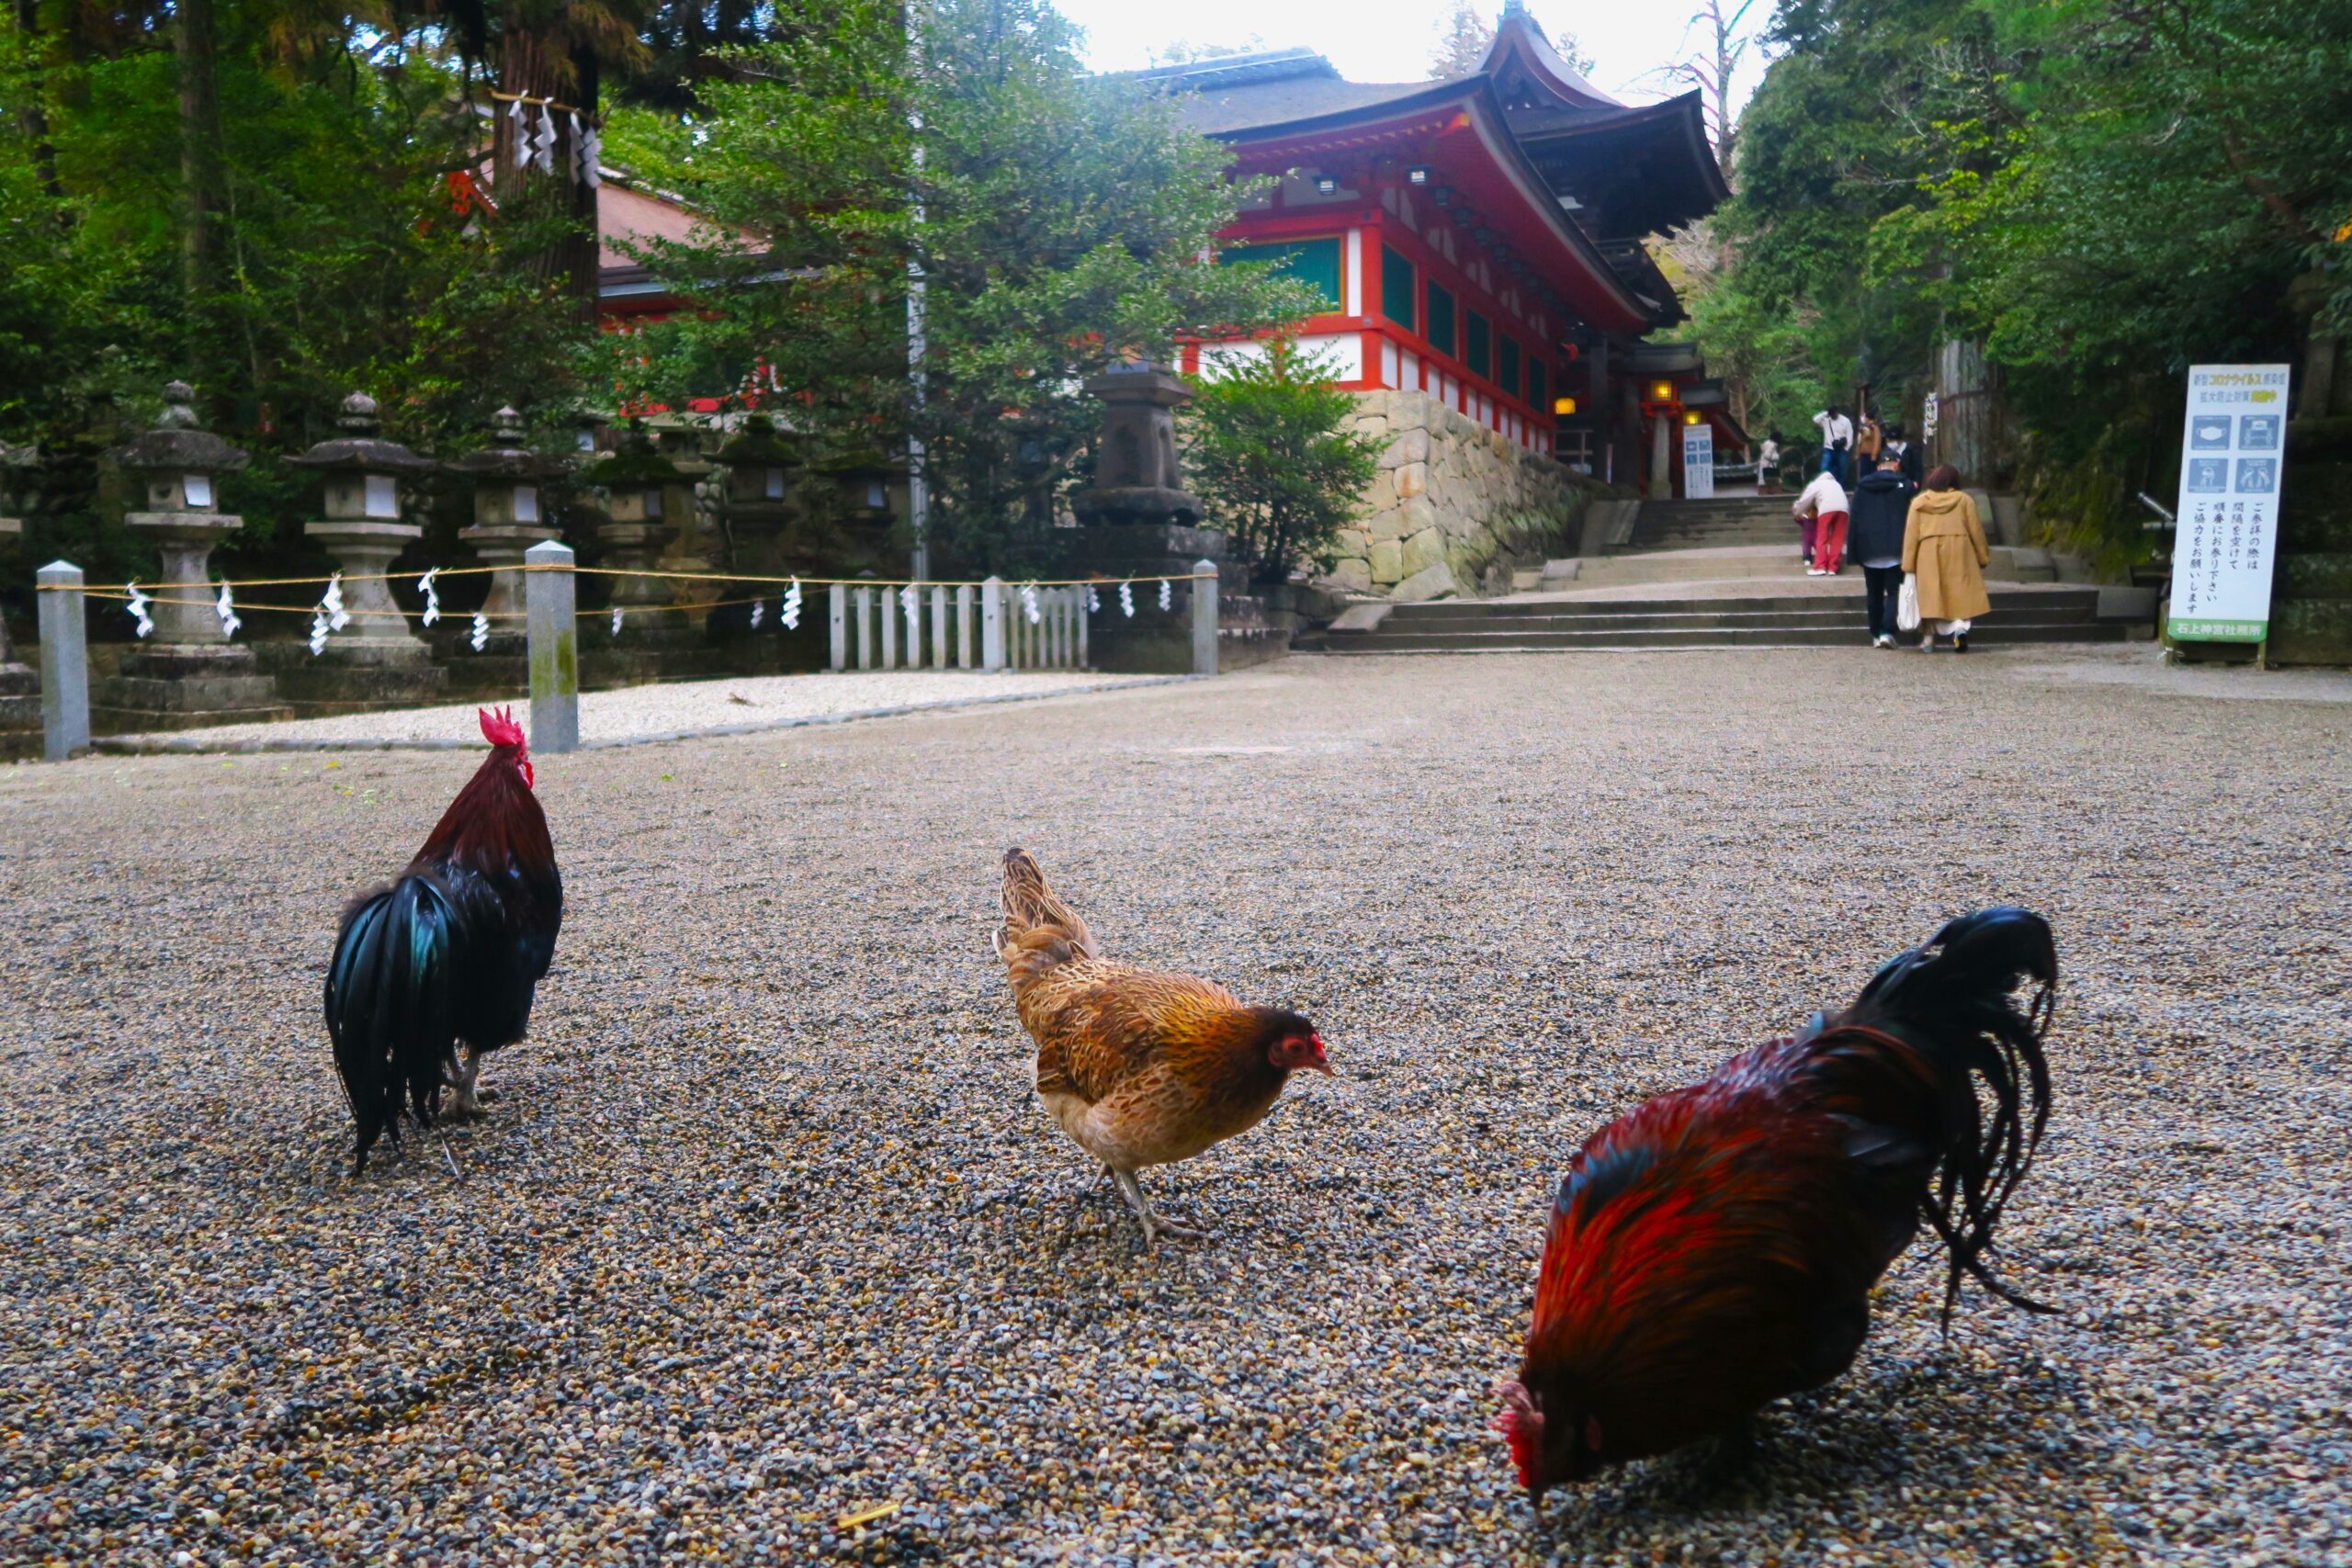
(1943, 545)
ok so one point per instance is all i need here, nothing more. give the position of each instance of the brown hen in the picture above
(1138, 1067)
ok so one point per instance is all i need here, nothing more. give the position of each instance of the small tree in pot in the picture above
(1273, 457)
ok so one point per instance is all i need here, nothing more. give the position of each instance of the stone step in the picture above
(1987, 633)
(2080, 602)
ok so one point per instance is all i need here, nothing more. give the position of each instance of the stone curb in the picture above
(162, 745)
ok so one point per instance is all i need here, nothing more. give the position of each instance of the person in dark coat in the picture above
(1899, 442)
(1880, 503)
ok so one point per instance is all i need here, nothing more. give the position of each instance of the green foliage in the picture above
(2099, 193)
(338, 261)
(1058, 220)
(1272, 454)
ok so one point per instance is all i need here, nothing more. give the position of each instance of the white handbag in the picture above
(1907, 603)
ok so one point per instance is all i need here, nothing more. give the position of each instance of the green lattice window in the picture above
(1397, 288)
(1441, 323)
(1507, 369)
(1479, 353)
(1315, 263)
(1539, 391)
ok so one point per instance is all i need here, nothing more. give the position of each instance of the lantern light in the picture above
(1662, 392)
(1564, 406)
(1691, 416)
(1326, 185)
(1419, 174)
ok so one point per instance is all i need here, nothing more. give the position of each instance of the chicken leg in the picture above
(465, 1105)
(1154, 1227)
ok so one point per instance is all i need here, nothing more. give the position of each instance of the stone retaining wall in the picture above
(1456, 508)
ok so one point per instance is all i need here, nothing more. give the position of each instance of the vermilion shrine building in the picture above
(1479, 239)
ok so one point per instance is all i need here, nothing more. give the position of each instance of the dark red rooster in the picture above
(450, 954)
(1714, 1248)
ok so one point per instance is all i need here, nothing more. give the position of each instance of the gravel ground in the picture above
(767, 1231)
(634, 711)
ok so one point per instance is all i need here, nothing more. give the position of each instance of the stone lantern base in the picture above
(500, 544)
(19, 684)
(186, 686)
(191, 674)
(648, 617)
(376, 661)
(1157, 641)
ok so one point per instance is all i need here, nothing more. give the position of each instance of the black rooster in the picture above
(450, 954)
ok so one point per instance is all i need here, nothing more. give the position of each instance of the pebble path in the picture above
(766, 1255)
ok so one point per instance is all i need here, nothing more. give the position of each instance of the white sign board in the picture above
(1698, 461)
(2232, 453)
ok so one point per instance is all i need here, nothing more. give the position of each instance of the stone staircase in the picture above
(2021, 613)
(1724, 521)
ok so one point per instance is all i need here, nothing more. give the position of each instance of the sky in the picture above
(1392, 40)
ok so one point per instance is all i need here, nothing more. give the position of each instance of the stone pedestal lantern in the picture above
(508, 519)
(690, 505)
(1135, 475)
(633, 485)
(377, 660)
(759, 468)
(19, 686)
(187, 671)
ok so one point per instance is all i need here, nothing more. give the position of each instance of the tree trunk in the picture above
(194, 46)
(528, 68)
(33, 115)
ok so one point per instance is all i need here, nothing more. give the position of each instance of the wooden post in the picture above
(1205, 618)
(550, 601)
(866, 629)
(64, 662)
(963, 626)
(992, 624)
(938, 628)
(837, 603)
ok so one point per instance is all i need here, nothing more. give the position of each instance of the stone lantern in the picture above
(19, 686)
(187, 671)
(633, 482)
(1135, 475)
(866, 480)
(508, 516)
(690, 505)
(366, 499)
(759, 467)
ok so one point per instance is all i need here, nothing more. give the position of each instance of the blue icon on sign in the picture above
(2258, 432)
(2208, 476)
(2209, 433)
(2257, 476)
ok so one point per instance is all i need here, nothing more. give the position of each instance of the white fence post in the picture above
(963, 626)
(1205, 618)
(864, 628)
(911, 606)
(550, 597)
(1082, 618)
(889, 628)
(938, 628)
(64, 662)
(837, 602)
(992, 624)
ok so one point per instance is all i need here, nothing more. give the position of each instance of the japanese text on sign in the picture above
(2232, 453)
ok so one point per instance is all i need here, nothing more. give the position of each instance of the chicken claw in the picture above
(1154, 1227)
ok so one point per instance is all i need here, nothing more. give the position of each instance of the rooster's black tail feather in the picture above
(1950, 1000)
(391, 993)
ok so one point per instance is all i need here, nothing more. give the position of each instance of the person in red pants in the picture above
(1821, 508)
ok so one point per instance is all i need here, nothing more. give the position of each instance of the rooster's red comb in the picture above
(500, 729)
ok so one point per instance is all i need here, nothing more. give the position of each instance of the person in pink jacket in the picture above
(1821, 511)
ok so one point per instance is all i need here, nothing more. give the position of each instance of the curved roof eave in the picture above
(1474, 96)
